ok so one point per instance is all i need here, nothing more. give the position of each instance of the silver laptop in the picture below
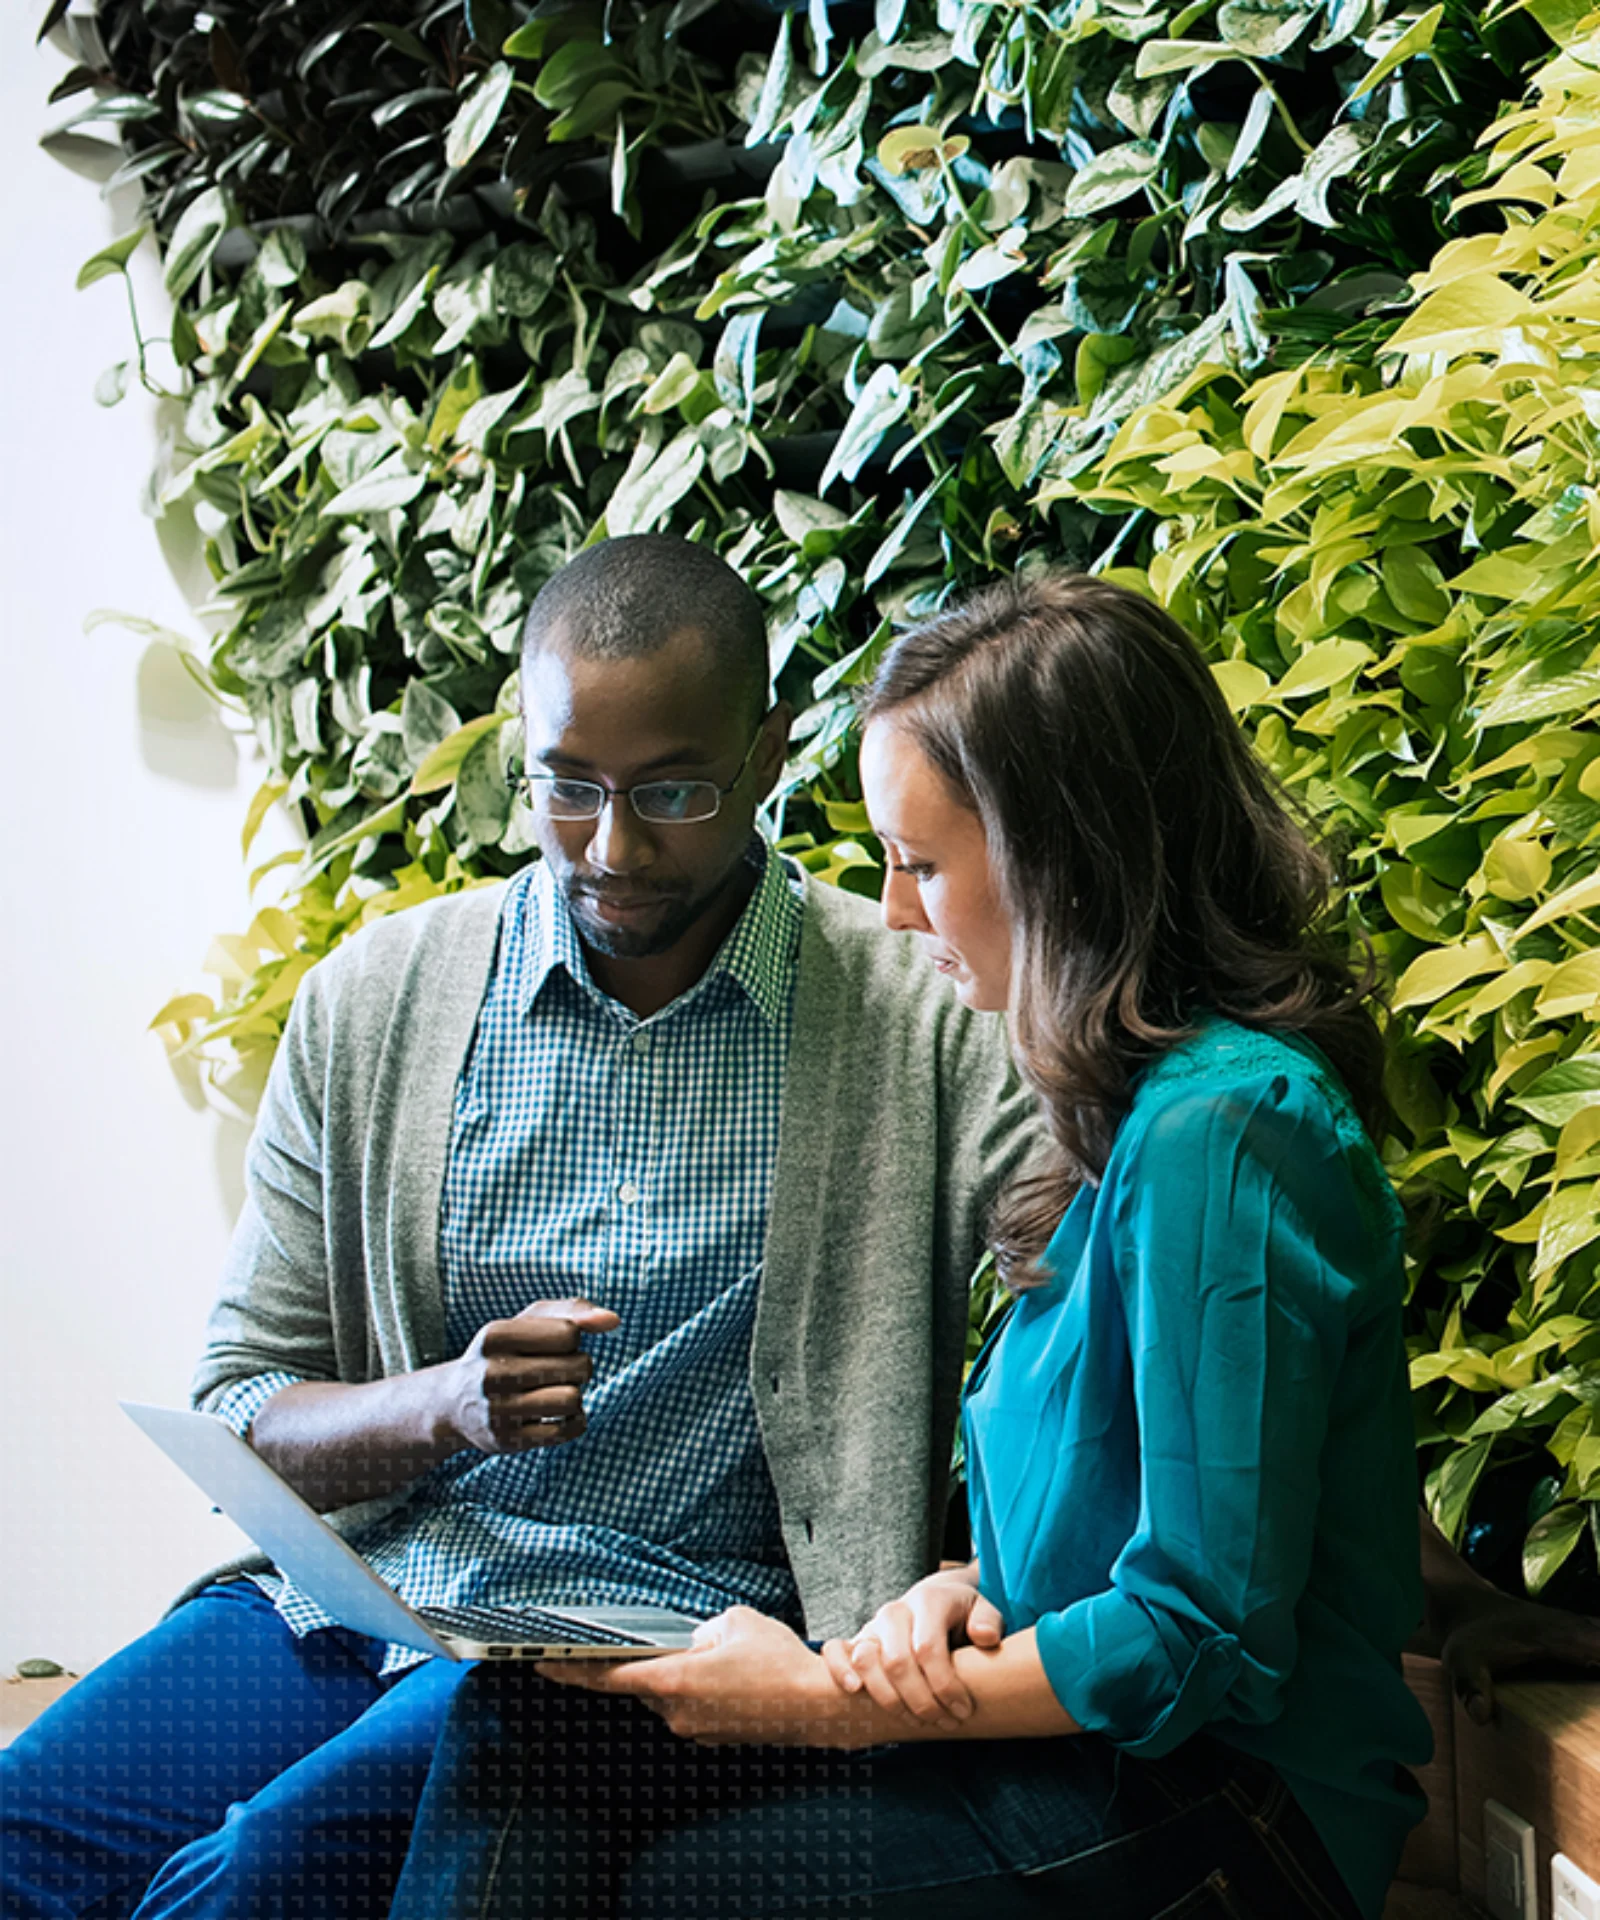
(300, 1543)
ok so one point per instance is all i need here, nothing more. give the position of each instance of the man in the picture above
(732, 1144)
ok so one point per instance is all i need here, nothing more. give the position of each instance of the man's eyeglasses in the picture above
(661, 802)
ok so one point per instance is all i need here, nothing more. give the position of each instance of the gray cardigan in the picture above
(902, 1116)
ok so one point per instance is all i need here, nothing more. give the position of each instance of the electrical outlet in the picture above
(1573, 1895)
(1509, 1869)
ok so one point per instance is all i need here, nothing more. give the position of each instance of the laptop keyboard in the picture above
(525, 1623)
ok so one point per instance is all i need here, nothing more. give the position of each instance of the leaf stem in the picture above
(1284, 114)
(991, 329)
(580, 341)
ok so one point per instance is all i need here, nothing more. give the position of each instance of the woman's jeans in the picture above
(549, 1803)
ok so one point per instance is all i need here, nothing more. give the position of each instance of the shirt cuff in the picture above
(237, 1405)
(1115, 1671)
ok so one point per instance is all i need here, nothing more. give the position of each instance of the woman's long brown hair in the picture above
(1150, 868)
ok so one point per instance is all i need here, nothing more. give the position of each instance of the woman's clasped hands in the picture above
(749, 1679)
(902, 1657)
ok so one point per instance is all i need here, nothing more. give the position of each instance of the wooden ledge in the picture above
(22, 1701)
(1540, 1758)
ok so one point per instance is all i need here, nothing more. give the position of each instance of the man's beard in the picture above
(635, 943)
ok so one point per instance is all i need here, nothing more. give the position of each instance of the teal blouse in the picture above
(1191, 1459)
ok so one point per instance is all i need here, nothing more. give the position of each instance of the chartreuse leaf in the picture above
(1573, 987)
(910, 149)
(1578, 1136)
(184, 1010)
(1159, 57)
(1465, 1366)
(1517, 869)
(1579, 898)
(462, 391)
(1435, 974)
(1522, 978)
(1323, 666)
(1514, 1059)
(1570, 1221)
(1243, 684)
(1563, 1091)
(266, 796)
(1417, 38)
(1463, 314)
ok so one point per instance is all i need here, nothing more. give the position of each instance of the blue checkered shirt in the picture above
(629, 1161)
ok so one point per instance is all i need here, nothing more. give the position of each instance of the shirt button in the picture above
(641, 1043)
(627, 1193)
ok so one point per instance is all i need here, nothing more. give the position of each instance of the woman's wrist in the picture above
(955, 1573)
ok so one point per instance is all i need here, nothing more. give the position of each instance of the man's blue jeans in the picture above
(546, 1803)
(220, 1767)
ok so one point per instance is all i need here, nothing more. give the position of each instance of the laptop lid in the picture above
(298, 1541)
(293, 1535)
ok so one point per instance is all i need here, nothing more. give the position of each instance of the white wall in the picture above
(123, 796)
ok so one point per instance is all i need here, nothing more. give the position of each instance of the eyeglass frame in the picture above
(522, 783)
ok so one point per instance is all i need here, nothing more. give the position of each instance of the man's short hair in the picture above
(627, 597)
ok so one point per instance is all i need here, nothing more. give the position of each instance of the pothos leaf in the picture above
(111, 259)
(478, 114)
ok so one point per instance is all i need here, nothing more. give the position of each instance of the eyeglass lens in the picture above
(661, 800)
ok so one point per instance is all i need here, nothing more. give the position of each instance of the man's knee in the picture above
(271, 1860)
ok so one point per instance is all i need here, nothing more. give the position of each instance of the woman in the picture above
(1169, 1682)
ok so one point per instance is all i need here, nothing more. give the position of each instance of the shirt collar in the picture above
(758, 955)
(551, 938)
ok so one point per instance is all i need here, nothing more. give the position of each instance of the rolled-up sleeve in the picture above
(1238, 1227)
(239, 1404)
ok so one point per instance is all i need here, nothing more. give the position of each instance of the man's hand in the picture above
(520, 1383)
(902, 1655)
(746, 1680)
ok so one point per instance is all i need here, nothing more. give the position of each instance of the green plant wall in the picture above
(1392, 555)
(879, 300)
